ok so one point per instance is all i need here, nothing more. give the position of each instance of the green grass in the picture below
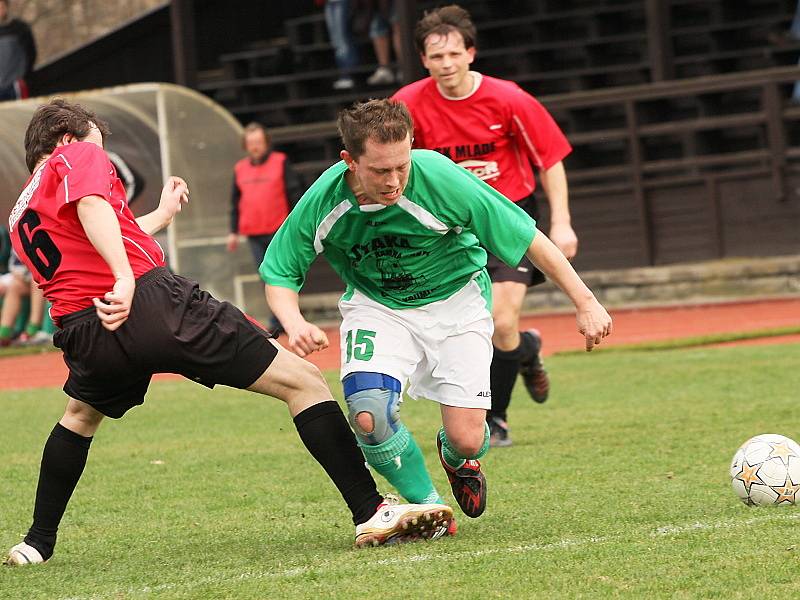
(617, 487)
(699, 340)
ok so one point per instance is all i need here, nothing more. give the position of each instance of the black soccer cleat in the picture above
(467, 483)
(533, 373)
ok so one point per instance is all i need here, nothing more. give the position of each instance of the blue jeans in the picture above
(794, 33)
(337, 14)
(794, 30)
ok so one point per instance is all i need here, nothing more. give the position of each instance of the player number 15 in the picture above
(359, 346)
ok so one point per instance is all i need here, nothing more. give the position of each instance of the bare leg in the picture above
(465, 429)
(506, 308)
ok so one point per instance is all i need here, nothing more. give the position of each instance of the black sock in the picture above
(502, 377)
(63, 460)
(328, 437)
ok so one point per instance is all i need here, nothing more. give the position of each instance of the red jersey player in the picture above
(498, 131)
(123, 316)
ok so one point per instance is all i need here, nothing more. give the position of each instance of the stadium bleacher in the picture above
(662, 134)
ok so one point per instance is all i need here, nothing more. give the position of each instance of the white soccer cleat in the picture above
(393, 523)
(23, 554)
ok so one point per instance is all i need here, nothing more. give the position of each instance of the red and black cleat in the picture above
(468, 485)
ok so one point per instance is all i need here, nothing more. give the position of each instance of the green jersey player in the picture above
(405, 230)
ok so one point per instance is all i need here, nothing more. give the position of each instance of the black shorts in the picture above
(173, 327)
(524, 272)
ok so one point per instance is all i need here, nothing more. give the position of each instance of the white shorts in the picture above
(443, 350)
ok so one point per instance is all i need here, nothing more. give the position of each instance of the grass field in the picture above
(617, 487)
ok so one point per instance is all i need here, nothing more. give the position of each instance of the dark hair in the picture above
(443, 21)
(51, 122)
(382, 121)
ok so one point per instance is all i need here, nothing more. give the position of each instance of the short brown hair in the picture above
(254, 126)
(443, 21)
(382, 121)
(51, 122)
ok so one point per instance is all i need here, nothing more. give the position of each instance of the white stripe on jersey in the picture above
(425, 218)
(66, 189)
(325, 226)
(24, 199)
(531, 148)
(66, 162)
(142, 250)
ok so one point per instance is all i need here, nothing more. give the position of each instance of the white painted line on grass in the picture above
(325, 566)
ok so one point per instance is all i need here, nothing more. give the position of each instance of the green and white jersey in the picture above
(420, 250)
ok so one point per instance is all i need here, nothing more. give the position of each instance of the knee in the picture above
(373, 403)
(505, 321)
(81, 418)
(306, 378)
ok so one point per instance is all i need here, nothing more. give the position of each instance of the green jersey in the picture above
(422, 249)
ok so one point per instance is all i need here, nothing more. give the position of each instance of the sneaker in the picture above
(533, 374)
(22, 554)
(498, 433)
(344, 83)
(381, 76)
(468, 484)
(395, 523)
(40, 338)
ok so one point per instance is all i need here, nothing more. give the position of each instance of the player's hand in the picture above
(232, 243)
(115, 307)
(594, 323)
(306, 338)
(564, 237)
(174, 195)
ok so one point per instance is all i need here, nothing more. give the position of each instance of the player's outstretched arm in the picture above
(102, 228)
(554, 182)
(173, 196)
(304, 337)
(593, 320)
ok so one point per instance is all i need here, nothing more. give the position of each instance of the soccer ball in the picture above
(766, 470)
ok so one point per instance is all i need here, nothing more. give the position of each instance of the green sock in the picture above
(453, 458)
(32, 329)
(400, 461)
(5, 332)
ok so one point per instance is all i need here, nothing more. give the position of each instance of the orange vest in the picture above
(263, 206)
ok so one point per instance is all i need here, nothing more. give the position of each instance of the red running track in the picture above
(631, 325)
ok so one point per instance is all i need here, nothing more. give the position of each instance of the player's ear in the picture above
(66, 139)
(471, 54)
(348, 159)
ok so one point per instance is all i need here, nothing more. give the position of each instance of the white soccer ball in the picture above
(766, 470)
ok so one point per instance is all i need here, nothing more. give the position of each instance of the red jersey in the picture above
(263, 205)
(49, 238)
(496, 132)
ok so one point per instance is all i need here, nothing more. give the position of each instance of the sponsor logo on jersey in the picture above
(24, 199)
(482, 169)
(464, 151)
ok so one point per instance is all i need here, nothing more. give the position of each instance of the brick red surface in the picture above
(558, 331)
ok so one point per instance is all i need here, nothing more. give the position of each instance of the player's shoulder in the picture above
(420, 156)
(503, 89)
(327, 191)
(78, 153)
(413, 91)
